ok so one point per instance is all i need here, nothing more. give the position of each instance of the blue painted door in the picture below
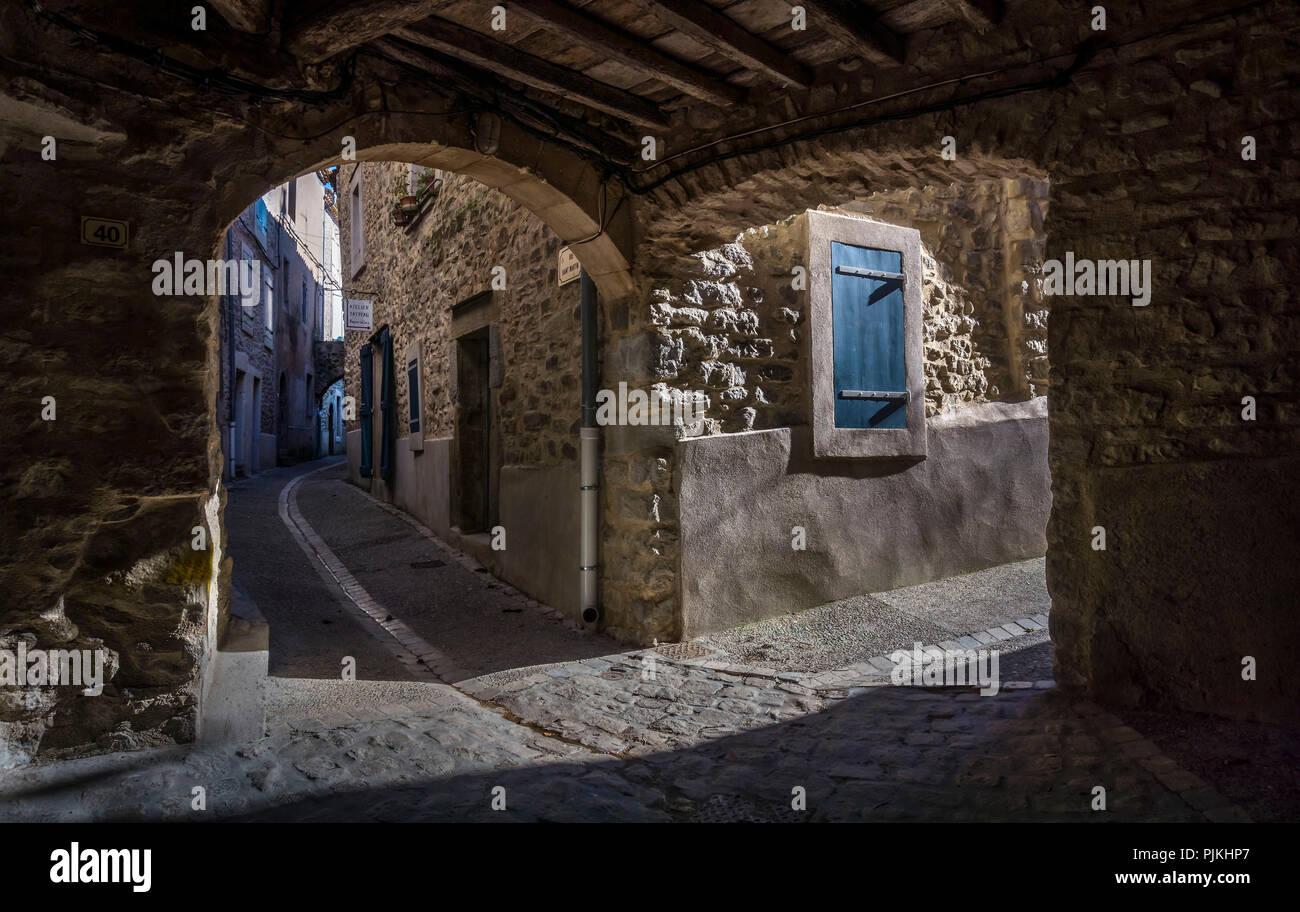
(867, 325)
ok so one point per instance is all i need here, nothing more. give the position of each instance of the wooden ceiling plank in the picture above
(478, 84)
(712, 29)
(505, 60)
(856, 29)
(628, 49)
(253, 16)
(983, 14)
(336, 26)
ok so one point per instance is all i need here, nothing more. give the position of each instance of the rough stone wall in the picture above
(1148, 438)
(416, 276)
(99, 502)
(731, 322)
(1143, 149)
(297, 326)
(250, 323)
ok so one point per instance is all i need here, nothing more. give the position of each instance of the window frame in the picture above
(415, 397)
(830, 441)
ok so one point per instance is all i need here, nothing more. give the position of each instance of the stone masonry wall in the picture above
(250, 322)
(732, 322)
(1143, 147)
(415, 277)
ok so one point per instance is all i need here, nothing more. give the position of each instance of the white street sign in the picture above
(360, 316)
(569, 266)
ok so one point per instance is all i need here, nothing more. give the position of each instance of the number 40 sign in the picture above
(103, 232)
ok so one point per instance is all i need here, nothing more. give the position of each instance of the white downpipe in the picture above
(589, 479)
(589, 469)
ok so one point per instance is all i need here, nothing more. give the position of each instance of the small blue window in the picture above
(870, 373)
(260, 208)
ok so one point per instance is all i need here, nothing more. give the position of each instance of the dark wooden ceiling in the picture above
(633, 61)
(601, 74)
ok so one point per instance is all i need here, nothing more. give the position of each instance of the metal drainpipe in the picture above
(589, 477)
(230, 344)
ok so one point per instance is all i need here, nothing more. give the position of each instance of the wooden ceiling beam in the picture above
(476, 83)
(628, 49)
(856, 29)
(478, 50)
(337, 25)
(709, 27)
(983, 14)
(253, 16)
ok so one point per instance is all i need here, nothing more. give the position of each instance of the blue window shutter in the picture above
(388, 407)
(367, 409)
(867, 324)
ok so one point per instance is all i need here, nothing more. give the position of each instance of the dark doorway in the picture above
(472, 500)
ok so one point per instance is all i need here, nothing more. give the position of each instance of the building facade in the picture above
(825, 463)
(274, 342)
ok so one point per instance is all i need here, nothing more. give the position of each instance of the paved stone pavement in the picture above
(856, 629)
(581, 743)
(476, 623)
(614, 737)
(309, 618)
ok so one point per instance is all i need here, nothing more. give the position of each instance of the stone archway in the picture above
(137, 515)
(534, 185)
(1142, 138)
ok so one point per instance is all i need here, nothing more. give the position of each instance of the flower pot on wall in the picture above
(409, 204)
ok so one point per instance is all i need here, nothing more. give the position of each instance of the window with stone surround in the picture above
(864, 285)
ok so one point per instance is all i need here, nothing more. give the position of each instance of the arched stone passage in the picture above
(1143, 144)
(1147, 433)
(329, 366)
(582, 204)
(569, 195)
(133, 463)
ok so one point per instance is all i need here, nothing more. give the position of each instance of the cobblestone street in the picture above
(594, 732)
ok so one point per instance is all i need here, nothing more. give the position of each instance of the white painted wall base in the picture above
(981, 498)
